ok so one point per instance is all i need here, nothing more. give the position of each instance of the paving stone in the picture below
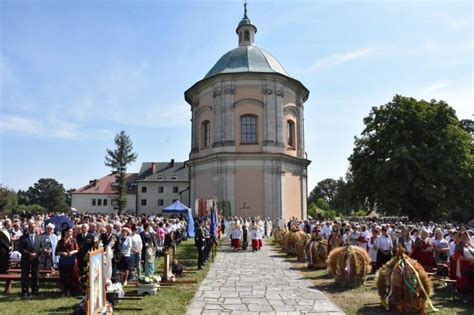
(236, 307)
(259, 307)
(257, 283)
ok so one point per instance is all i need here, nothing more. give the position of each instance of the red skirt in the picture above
(254, 244)
(235, 243)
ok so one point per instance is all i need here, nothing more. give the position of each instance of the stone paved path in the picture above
(257, 283)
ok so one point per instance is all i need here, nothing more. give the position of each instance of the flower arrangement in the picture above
(149, 280)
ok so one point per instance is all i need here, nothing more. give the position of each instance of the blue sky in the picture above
(74, 73)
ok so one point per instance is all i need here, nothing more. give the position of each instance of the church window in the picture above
(248, 129)
(290, 133)
(206, 134)
(246, 36)
(240, 37)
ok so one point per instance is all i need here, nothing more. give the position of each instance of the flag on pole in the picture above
(213, 227)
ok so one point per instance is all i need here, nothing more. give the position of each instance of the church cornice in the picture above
(200, 86)
(248, 156)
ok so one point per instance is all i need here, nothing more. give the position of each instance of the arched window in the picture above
(206, 134)
(246, 36)
(248, 129)
(290, 133)
(240, 37)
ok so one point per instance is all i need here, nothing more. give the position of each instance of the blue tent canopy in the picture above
(176, 207)
(179, 208)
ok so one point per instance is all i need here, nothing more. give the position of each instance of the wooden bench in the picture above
(452, 283)
(9, 278)
(41, 271)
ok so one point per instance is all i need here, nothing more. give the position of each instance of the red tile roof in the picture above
(104, 185)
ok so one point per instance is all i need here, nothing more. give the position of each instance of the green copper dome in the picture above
(246, 59)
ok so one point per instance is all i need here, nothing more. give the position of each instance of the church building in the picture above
(247, 144)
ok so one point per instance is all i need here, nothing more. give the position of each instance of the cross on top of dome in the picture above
(246, 30)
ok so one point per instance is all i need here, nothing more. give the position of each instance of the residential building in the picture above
(159, 184)
(100, 195)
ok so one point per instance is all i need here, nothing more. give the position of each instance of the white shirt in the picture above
(137, 244)
(384, 243)
(327, 231)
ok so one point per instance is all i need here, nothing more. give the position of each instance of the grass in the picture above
(169, 300)
(365, 300)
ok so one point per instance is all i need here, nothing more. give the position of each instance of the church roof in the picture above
(246, 58)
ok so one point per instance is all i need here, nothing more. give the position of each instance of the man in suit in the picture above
(85, 240)
(30, 249)
(5, 246)
(200, 241)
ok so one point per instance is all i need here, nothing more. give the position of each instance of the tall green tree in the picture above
(118, 160)
(413, 158)
(325, 189)
(8, 199)
(47, 193)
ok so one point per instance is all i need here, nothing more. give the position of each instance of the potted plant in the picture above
(148, 285)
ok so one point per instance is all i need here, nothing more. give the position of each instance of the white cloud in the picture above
(435, 87)
(340, 58)
(50, 127)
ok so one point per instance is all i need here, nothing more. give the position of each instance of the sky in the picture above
(75, 73)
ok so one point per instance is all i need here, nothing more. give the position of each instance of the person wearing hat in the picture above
(383, 246)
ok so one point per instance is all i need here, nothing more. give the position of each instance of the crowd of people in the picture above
(446, 248)
(131, 245)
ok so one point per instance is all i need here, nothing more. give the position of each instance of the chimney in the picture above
(172, 163)
(153, 168)
(93, 182)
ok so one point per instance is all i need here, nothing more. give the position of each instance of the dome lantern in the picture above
(246, 30)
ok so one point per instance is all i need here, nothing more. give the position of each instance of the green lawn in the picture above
(169, 300)
(365, 300)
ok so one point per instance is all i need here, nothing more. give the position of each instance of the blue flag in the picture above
(213, 227)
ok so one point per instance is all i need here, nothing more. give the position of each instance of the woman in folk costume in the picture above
(423, 251)
(384, 247)
(464, 255)
(363, 238)
(372, 248)
(335, 239)
(235, 235)
(406, 241)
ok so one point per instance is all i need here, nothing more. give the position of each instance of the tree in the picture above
(8, 199)
(117, 160)
(413, 158)
(47, 193)
(325, 189)
(468, 126)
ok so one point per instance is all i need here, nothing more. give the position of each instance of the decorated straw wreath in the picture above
(403, 285)
(300, 247)
(277, 234)
(317, 253)
(284, 239)
(349, 265)
(292, 238)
